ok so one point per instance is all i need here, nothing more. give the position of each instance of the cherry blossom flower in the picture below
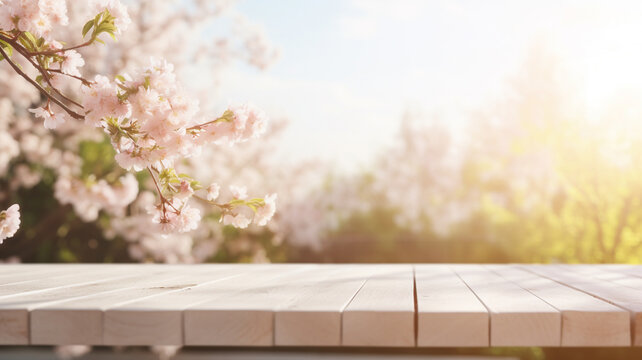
(149, 118)
(100, 100)
(238, 192)
(213, 191)
(9, 222)
(117, 10)
(52, 119)
(239, 220)
(36, 17)
(72, 61)
(182, 219)
(88, 198)
(185, 190)
(238, 124)
(265, 212)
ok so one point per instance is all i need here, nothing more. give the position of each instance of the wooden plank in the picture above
(449, 314)
(626, 269)
(31, 273)
(71, 277)
(15, 307)
(312, 316)
(244, 315)
(617, 275)
(620, 295)
(80, 320)
(382, 313)
(163, 320)
(42, 273)
(586, 320)
(517, 317)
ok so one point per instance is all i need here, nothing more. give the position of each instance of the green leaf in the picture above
(97, 18)
(87, 27)
(7, 48)
(105, 27)
(32, 39)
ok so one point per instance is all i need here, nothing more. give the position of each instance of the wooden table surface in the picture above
(321, 305)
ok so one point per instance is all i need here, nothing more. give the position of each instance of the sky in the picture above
(350, 69)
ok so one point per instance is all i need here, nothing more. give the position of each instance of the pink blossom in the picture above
(239, 220)
(153, 103)
(185, 191)
(72, 61)
(238, 192)
(238, 124)
(88, 198)
(188, 219)
(125, 192)
(129, 161)
(9, 222)
(265, 212)
(172, 221)
(213, 191)
(34, 16)
(117, 10)
(51, 119)
(100, 100)
(255, 123)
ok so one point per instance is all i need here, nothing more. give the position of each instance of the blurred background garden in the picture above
(405, 131)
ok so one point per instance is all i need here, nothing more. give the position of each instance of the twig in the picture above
(54, 51)
(22, 51)
(17, 69)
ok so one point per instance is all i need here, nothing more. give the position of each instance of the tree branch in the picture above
(55, 51)
(17, 69)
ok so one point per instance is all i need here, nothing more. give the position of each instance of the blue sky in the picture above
(349, 69)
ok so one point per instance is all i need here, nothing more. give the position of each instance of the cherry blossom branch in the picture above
(39, 66)
(200, 126)
(79, 78)
(55, 51)
(220, 206)
(17, 69)
(47, 78)
(148, 131)
(160, 193)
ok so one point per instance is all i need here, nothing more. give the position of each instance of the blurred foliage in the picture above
(540, 181)
(537, 180)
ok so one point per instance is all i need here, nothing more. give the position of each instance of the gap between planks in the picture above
(364, 308)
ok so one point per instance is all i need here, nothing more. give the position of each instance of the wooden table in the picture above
(321, 305)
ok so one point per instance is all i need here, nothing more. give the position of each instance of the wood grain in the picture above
(382, 312)
(449, 313)
(623, 296)
(586, 320)
(517, 317)
(321, 305)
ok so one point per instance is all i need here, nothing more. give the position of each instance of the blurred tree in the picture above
(555, 182)
(537, 179)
